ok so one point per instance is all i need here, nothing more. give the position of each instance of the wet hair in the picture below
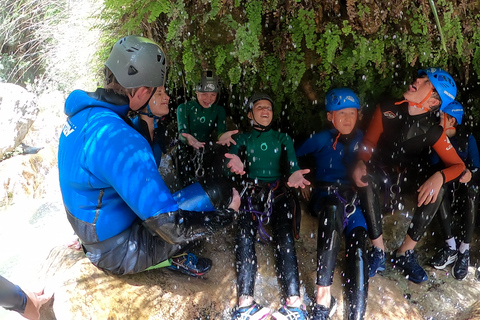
(111, 83)
(435, 95)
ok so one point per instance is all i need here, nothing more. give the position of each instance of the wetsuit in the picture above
(334, 202)
(466, 147)
(12, 297)
(397, 145)
(201, 123)
(115, 198)
(268, 157)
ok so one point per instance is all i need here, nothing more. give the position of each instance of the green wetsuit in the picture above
(264, 154)
(200, 122)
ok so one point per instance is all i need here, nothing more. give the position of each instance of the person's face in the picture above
(159, 102)
(206, 99)
(262, 112)
(344, 120)
(418, 90)
(448, 123)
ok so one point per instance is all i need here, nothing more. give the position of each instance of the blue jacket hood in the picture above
(79, 100)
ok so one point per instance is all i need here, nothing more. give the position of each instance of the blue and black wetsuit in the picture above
(114, 195)
(12, 297)
(334, 202)
(466, 147)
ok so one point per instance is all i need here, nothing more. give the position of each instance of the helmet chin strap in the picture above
(260, 127)
(420, 104)
(149, 113)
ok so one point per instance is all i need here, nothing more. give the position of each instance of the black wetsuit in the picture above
(12, 297)
(467, 194)
(400, 144)
(270, 201)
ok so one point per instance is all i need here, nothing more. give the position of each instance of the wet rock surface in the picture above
(84, 292)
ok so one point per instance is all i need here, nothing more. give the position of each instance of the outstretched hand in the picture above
(226, 138)
(235, 164)
(35, 300)
(192, 141)
(296, 179)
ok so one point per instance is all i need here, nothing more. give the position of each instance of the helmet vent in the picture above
(132, 71)
(159, 58)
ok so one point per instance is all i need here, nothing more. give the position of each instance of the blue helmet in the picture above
(341, 98)
(443, 82)
(455, 110)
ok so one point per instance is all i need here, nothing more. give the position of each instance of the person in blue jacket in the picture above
(26, 303)
(334, 201)
(116, 201)
(467, 193)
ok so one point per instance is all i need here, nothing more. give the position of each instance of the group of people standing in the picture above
(128, 220)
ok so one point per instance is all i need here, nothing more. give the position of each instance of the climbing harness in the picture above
(349, 207)
(198, 163)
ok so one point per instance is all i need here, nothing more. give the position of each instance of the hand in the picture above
(236, 201)
(235, 164)
(306, 192)
(428, 191)
(359, 172)
(226, 138)
(34, 302)
(192, 141)
(466, 176)
(296, 179)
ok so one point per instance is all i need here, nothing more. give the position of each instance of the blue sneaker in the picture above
(376, 261)
(189, 264)
(252, 312)
(291, 313)
(411, 269)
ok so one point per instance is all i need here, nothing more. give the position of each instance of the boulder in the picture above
(18, 111)
(82, 291)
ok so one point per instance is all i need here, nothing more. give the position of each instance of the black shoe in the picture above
(444, 257)
(460, 268)
(411, 269)
(320, 312)
(189, 264)
(376, 261)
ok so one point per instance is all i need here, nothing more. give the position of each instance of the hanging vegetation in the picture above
(300, 49)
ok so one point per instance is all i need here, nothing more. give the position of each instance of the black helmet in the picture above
(137, 62)
(258, 96)
(209, 82)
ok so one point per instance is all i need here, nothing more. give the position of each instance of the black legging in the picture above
(468, 192)
(369, 197)
(282, 234)
(330, 212)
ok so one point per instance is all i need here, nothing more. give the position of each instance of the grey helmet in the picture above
(258, 96)
(138, 62)
(209, 82)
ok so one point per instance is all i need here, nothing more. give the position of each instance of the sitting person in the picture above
(335, 203)
(466, 194)
(268, 159)
(115, 199)
(202, 131)
(396, 147)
